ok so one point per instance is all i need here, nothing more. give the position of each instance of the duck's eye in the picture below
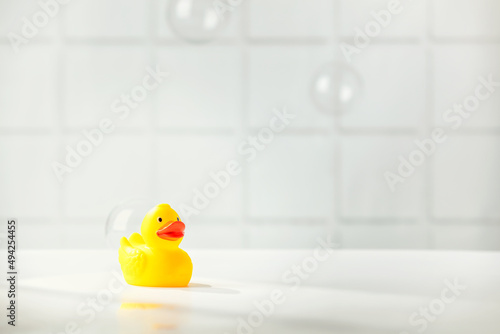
(159, 219)
(177, 218)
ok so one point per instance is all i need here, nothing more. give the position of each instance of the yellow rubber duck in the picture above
(153, 258)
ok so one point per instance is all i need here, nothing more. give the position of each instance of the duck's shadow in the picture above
(199, 287)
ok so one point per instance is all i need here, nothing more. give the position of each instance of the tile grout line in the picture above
(335, 136)
(26, 131)
(427, 126)
(243, 221)
(61, 117)
(154, 111)
(261, 41)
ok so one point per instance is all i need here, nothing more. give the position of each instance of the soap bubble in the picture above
(195, 21)
(336, 86)
(125, 219)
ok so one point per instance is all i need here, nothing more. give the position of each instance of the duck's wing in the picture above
(132, 259)
(136, 240)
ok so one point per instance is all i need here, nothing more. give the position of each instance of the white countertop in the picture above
(234, 291)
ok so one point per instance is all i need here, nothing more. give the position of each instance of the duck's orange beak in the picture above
(172, 230)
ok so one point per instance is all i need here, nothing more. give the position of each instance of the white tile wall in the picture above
(213, 235)
(29, 188)
(465, 181)
(40, 236)
(292, 178)
(470, 237)
(325, 173)
(393, 92)
(111, 18)
(385, 236)
(28, 98)
(408, 22)
(282, 76)
(82, 235)
(232, 21)
(459, 67)
(464, 18)
(184, 164)
(13, 14)
(290, 18)
(364, 189)
(272, 235)
(94, 77)
(204, 88)
(119, 167)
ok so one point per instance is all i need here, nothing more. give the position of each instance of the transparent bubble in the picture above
(195, 21)
(336, 86)
(125, 219)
